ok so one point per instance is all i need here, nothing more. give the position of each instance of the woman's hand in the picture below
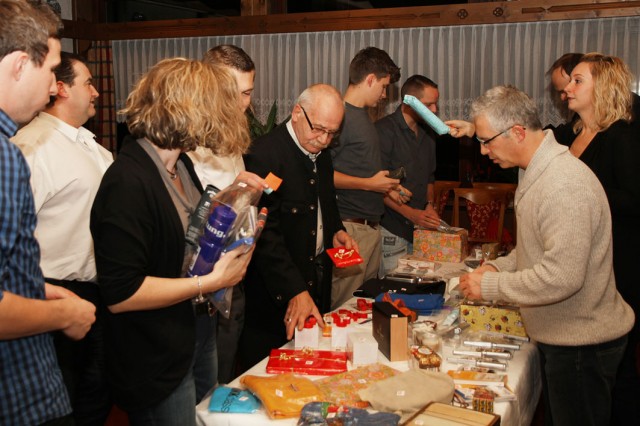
(228, 271)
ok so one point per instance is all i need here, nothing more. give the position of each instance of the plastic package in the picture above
(231, 221)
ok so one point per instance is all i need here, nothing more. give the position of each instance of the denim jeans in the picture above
(577, 382)
(393, 248)
(179, 408)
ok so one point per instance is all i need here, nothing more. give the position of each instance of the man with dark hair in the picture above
(360, 180)
(221, 171)
(405, 141)
(63, 198)
(32, 391)
(213, 169)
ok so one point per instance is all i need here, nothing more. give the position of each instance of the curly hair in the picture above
(181, 103)
(612, 98)
(27, 26)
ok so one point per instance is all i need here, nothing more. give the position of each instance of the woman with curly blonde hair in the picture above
(160, 346)
(605, 137)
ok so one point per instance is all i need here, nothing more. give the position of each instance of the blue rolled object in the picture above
(430, 118)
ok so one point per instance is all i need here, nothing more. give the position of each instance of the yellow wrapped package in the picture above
(283, 395)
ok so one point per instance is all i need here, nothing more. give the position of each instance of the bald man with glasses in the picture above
(289, 278)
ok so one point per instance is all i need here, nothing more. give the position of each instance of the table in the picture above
(523, 378)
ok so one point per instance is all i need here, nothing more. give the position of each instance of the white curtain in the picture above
(464, 60)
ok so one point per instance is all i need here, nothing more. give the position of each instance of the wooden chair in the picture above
(511, 187)
(482, 205)
(441, 190)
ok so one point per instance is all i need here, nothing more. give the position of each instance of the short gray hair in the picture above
(506, 106)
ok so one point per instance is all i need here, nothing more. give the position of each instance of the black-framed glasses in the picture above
(486, 142)
(329, 133)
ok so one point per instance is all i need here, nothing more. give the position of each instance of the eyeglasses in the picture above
(329, 133)
(486, 142)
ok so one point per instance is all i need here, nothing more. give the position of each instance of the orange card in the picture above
(273, 181)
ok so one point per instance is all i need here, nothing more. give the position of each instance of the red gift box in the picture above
(306, 361)
(343, 258)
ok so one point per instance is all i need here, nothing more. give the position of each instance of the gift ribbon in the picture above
(399, 304)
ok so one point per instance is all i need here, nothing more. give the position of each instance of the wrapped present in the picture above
(501, 319)
(306, 361)
(439, 246)
(343, 257)
(283, 395)
(342, 389)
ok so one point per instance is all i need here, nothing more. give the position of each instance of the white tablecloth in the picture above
(523, 378)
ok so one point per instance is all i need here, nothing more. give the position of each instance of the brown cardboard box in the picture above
(390, 329)
(439, 414)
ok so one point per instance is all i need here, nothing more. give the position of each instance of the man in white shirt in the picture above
(67, 165)
(213, 169)
(221, 172)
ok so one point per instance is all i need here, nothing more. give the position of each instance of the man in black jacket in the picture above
(289, 278)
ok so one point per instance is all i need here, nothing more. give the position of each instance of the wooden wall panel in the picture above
(424, 16)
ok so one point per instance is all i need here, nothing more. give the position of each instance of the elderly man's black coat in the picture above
(284, 263)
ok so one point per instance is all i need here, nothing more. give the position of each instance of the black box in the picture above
(390, 329)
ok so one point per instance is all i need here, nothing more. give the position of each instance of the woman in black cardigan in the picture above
(605, 136)
(160, 346)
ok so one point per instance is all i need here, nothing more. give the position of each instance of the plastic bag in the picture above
(222, 222)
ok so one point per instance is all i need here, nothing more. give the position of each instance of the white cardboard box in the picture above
(362, 349)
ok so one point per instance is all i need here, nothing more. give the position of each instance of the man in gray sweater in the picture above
(561, 273)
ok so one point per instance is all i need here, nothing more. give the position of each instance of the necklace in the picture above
(173, 174)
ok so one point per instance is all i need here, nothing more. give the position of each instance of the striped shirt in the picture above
(31, 386)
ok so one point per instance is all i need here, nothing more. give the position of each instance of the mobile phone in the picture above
(399, 173)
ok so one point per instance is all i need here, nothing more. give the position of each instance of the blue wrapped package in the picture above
(232, 400)
(430, 118)
(423, 304)
(325, 413)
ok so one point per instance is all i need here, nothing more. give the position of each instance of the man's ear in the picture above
(62, 90)
(371, 78)
(19, 62)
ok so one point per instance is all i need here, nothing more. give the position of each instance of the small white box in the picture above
(309, 337)
(362, 349)
(339, 336)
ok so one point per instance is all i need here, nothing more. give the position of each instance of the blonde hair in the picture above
(612, 97)
(181, 103)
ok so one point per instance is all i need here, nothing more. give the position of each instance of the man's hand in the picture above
(81, 314)
(427, 218)
(400, 195)
(470, 284)
(52, 292)
(381, 183)
(300, 308)
(252, 180)
(342, 238)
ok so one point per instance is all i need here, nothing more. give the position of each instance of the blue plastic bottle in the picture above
(212, 240)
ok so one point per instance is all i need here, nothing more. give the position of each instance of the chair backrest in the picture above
(441, 190)
(482, 206)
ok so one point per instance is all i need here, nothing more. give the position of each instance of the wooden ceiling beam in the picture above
(423, 16)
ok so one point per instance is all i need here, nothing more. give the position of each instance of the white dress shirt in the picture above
(214, 169)
(66, 165)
